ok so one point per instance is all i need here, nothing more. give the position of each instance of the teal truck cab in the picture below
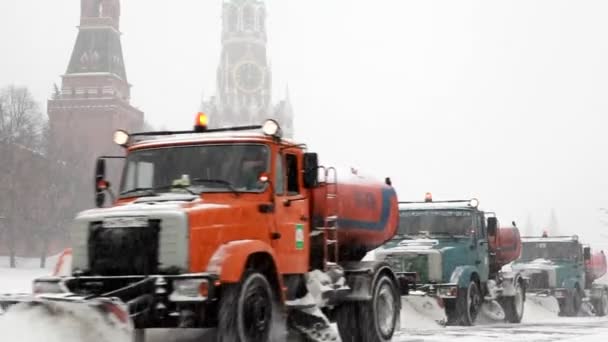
(453, 251)
(563, 268)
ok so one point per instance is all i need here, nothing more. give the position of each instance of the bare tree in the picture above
(20, 128)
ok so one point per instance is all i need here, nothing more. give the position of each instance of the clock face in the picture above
(248, 76)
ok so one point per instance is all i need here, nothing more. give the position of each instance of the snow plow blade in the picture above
(546, 302)
(420, 303)
(109, 312)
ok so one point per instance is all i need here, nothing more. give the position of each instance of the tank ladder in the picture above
(330, 221)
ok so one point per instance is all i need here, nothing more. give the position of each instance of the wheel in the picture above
(372, 321)
(139, 335)
(571, 305)
(514, 306)
(577, 302)
(245, 311)
(601, 304)
(378, 318)
(466, 307)
(347, 318)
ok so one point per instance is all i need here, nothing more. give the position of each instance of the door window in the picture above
(293, 186)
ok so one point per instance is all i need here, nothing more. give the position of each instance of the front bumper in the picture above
(558, 293)
(156, 301)
(408, 281)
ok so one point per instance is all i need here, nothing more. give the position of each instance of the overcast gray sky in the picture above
(500, 100)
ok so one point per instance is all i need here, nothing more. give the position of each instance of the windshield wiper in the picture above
(402, 236)
(152, 191)
(229, 185)
(149, 191)
(451, 235)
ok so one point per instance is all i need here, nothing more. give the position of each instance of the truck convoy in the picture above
(454, 252)
(563, 268)
(236, 229)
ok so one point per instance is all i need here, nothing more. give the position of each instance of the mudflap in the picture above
(429, 306)
(108, 312)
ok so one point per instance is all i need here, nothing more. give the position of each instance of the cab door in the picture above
(482, 259)
(291, 241)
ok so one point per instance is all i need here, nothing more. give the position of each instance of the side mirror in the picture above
(311, 170)
(492, 225)
(101, 185)
(587, 253)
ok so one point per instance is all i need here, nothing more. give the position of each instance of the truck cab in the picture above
(444, 247)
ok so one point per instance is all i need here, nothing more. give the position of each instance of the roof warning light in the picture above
(201, 122)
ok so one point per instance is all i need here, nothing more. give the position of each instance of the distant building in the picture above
(244, 75)
(94, 97)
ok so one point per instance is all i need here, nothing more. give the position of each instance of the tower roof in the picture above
(98, 48)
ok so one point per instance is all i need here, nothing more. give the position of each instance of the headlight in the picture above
(42, 287)
(447, 291)
(184, 289)
(271, 128)
(560, 293)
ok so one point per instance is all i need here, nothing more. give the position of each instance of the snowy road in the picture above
(538, 325)
(559, 329)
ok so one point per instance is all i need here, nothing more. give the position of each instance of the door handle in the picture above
(303, 218)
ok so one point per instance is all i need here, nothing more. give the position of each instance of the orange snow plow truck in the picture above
(239, 229)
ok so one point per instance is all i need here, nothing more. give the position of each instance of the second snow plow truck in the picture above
(452, 254)
(216, 227)
(562, 269)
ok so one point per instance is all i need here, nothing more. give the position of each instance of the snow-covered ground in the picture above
(539, 324)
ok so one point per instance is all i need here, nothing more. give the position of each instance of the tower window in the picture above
(261, 20)
(231, 19)
(248, 18)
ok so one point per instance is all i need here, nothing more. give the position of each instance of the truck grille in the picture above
(123, 251)
(539, 280)
(411, 263)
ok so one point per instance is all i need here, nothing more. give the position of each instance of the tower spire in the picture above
(94, 98)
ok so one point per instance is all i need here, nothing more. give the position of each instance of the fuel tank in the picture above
(596, 266)
(506, 245)
(366, 210)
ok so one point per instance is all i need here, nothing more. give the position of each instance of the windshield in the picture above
(207, 168)
(436, 222)
(553, 250)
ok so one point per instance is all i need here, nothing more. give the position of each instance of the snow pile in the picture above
(17, 280)
(73, 323)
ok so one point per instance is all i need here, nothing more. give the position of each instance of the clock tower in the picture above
(244, 78)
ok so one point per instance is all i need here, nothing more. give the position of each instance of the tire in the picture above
(514, 306)
(139, 335)
(245, 310)
(571, 305)
(371, 321)
(347, 318)
(601, 305)
(466, 307)
(379, 317)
